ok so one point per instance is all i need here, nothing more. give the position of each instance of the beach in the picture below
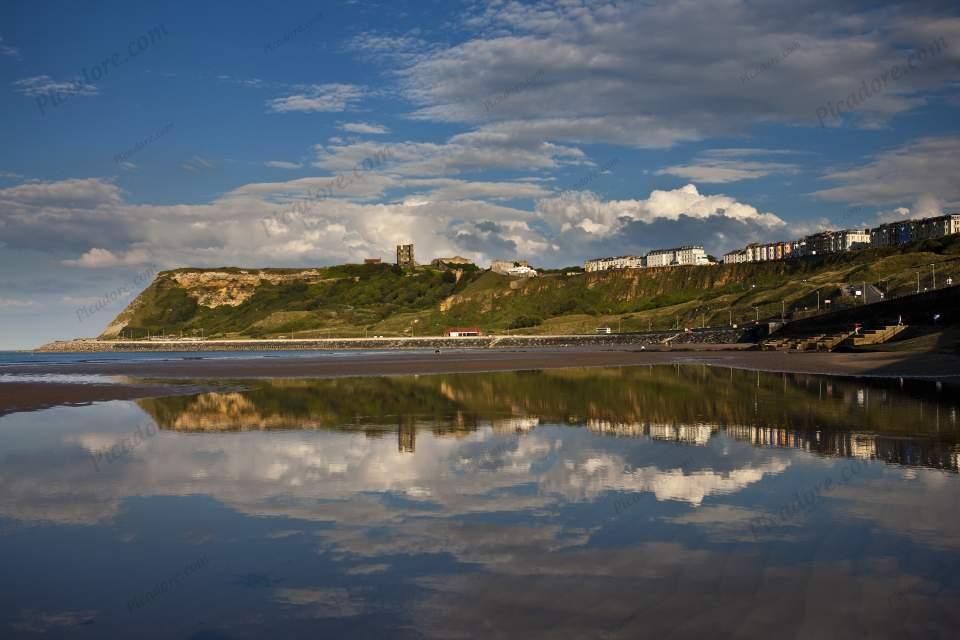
(20, 396)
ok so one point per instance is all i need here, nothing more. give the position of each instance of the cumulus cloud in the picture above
(319, 97)
(590, 226)
(100, 258)
(584, 211)
(278, 223)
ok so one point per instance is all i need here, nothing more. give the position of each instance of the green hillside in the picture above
(357, 300)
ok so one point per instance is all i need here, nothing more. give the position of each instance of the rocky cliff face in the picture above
(214, 288)
(217, 288)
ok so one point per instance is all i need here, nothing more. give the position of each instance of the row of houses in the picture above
(688, 255)
(892, 234)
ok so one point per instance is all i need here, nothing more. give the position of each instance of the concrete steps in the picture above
(878, 336)
(819, 342)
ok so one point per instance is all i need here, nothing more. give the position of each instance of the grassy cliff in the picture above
(357, 300)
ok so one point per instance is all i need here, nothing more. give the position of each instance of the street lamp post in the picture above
(934, 267)
(918, 282)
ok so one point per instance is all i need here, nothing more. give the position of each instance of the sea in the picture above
(686, 501)
(46, 358)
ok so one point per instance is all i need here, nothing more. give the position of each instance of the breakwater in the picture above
(723, 335)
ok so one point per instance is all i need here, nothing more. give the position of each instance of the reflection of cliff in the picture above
(696, 393)
(683, 403)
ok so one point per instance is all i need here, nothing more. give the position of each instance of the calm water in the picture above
(637, 502)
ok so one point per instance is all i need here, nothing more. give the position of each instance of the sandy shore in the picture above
(15, 396)
(31, 396)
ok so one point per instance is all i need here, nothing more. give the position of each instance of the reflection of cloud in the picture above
(934, 522)
(363, 569)
(497, 508)
(33, 621)
(599, 473)
(321, 603)
(669, 590)
(723, 523)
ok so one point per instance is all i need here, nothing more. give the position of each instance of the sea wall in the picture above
(699, 336)
(916, 309)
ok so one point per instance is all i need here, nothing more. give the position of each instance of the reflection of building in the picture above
(841, 444)
(517, 425)
(405, 255)
(697, 434)
(407, 438)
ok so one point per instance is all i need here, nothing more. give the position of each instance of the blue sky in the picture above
(299, 134)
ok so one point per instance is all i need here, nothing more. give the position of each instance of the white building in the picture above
(503, 267)
(618, 262)
(851, 240)
(690, 255)
(522, 271)
(660, 258)
(737, 256)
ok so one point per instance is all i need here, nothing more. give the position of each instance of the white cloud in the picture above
(7, 50)
(364, 127)
(43, 84)
(15, 302)
(460, 154)
(654, 74)
(923, 169)
(726, 165)
(196, 164)
(257, 224)
(319, 97)
(101, 258)
(587, 213)
(281, 164)
(71, 193)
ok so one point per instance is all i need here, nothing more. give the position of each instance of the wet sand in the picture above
(32, 396)
(15, 396)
